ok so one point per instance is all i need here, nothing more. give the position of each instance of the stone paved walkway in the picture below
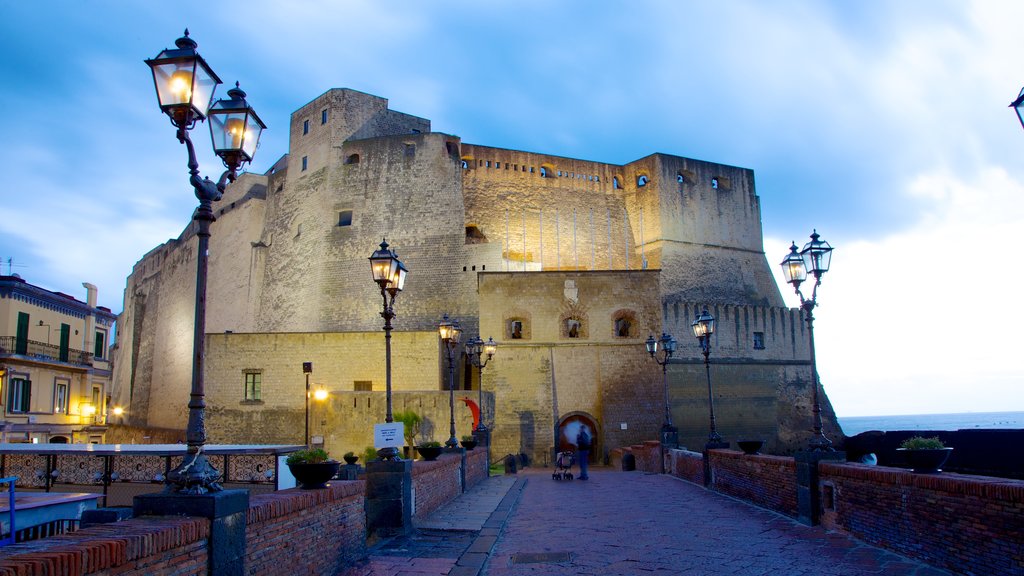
(620, 523)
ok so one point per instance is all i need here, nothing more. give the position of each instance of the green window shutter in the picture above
(21, 342)
(65, 341)
(101, 345)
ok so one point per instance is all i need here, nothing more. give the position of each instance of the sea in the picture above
(853, 425)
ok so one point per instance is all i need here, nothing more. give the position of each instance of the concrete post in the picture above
(808, 498)
(389, 497)
(707, 459)
(226, 511)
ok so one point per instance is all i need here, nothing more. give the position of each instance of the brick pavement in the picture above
(620, 523)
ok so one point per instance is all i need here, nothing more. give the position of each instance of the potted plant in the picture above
(350, 458)
(429, 450)
(312, 467)
(468, 442)
(925, 455)
(411, 425)
(751, 446)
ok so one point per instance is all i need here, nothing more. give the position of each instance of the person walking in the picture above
(583, 442)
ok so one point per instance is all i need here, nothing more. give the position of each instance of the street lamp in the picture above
(476, 348)
(815, 258)
(703, 327)
(307, 369)
(184, 87)
(1018, 106)
(450, 333)
(389, 273)
(666, 345)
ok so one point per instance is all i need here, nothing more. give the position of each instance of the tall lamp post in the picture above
(450, 333)
(307, 369)
(389, 273)
(815, 258)
(476, 348)
(703, 327)
(184, 86)
(666, 345)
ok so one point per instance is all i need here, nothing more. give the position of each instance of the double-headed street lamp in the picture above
(703, 327)
(476, 349)
(184, 87)
(450, 333)
(389, 273)
(815, 258)
(666, 345)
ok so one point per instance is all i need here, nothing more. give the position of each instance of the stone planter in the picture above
(429, 453)
(469, 444)
(350, 460)
(751, 446)
(312, 476)
(927, 461)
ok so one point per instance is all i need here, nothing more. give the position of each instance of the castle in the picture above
(569, 264)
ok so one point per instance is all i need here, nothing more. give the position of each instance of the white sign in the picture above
(388, 435)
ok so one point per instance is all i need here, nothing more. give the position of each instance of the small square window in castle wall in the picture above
(345, 218)
(758, 340)
(362, 385)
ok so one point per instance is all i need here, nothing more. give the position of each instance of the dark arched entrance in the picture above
(569, 426)
(58, 440)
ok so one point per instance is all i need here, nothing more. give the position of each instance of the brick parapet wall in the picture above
(135, 547)
(310, 531)
(970, 524)
(476, 466)
(767, 481)
(435, 483)
(686, 465)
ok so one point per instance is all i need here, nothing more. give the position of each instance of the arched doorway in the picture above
(569, 427)
(58, 440)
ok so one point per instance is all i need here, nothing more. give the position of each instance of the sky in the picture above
(882, 124)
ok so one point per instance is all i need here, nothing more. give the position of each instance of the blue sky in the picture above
(883, 124)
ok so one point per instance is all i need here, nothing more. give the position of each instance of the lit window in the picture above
(19, 395)
(60, 398)
(253, 383)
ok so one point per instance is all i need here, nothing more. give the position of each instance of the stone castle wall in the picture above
(289, 255)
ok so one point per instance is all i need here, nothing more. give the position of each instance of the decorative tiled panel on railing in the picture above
(29, 468)
(75, 469)
(250, 468)
(138, 468)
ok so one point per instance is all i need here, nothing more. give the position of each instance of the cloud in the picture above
(925, 320)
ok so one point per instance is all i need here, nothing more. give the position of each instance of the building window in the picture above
(714, 183)
(323, 116)
(625, 324)
(21, 339)
(345, 218)
(60, 398)
(253, 384)
(516, 329)
(641, 181)
(543, 172)
(615, 183)
(305, 127)
(352, 159)
(362, 385)
(497, 164)
(19, 395)
(758, 340)
(305, 163)
(410, 150)
(101, 344)
(465, 165)
(572, 327)
(680, 178)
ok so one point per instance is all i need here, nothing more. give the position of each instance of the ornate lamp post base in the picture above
(669, 436)
(194, 475)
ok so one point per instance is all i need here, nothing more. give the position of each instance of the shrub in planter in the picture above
(925, 455)
(468, 442)
(350, 458)
(429, 450)
(312, 468)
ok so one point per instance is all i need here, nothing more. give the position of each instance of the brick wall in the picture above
(476, 467)
(970, 524)
(310, 531)
(768, 481)
(435, 483)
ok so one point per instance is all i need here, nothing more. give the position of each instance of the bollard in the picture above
(510, 464)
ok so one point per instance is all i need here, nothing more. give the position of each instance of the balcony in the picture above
(9, 346)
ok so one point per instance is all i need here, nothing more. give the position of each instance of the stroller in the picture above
(563, 465)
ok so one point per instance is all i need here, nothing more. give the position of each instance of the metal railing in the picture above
(10, 345)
